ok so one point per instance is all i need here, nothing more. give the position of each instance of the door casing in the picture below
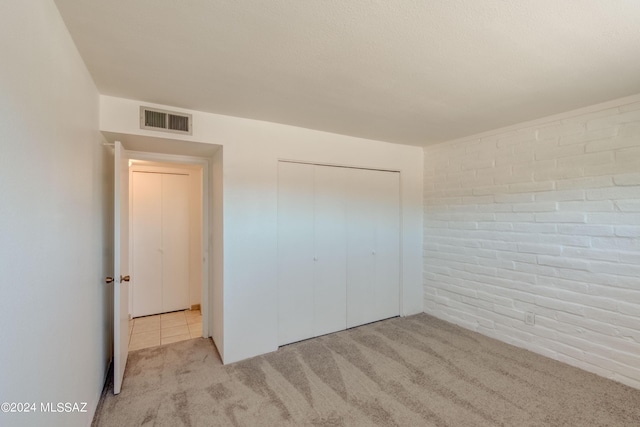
(206, 222)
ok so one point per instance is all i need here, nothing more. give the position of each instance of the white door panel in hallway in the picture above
(160, 228)
(146, 242)
(175, 242)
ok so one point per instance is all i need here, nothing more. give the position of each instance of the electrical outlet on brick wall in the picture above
(530, 318)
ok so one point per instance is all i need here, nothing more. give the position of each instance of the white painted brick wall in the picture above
(545, 218)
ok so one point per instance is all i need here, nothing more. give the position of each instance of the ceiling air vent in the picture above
(167, 121)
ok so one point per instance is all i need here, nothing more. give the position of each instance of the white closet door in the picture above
(330, 272)
(338, 249)
(373, 281)
(295, 252)
(387, 271)
(361, 247)
(175, 242)
(147, 243)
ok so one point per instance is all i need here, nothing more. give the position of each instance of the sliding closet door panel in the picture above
(338, 248)
(175, 242)
(330, 272)
(387, 271)
(295, 252)
(361, 228)
(147, 243)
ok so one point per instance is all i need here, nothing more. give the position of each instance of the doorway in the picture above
(165, 212)
(199, 266)
(129, 147)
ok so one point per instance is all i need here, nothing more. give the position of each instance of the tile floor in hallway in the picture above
(160, 329)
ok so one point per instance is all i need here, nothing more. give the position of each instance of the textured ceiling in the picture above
(405, 71)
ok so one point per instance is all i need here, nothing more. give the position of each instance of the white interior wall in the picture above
(251, 153)
(542, 217)
(216, 244)
(55, 216)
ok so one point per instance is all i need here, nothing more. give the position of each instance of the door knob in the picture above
(124, 278)
(108, 280)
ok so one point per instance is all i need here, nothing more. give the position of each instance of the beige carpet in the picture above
(414, 371)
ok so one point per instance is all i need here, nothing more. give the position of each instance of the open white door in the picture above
(120, 266)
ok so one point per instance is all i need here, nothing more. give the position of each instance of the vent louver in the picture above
(180, 123)
(167, 121)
